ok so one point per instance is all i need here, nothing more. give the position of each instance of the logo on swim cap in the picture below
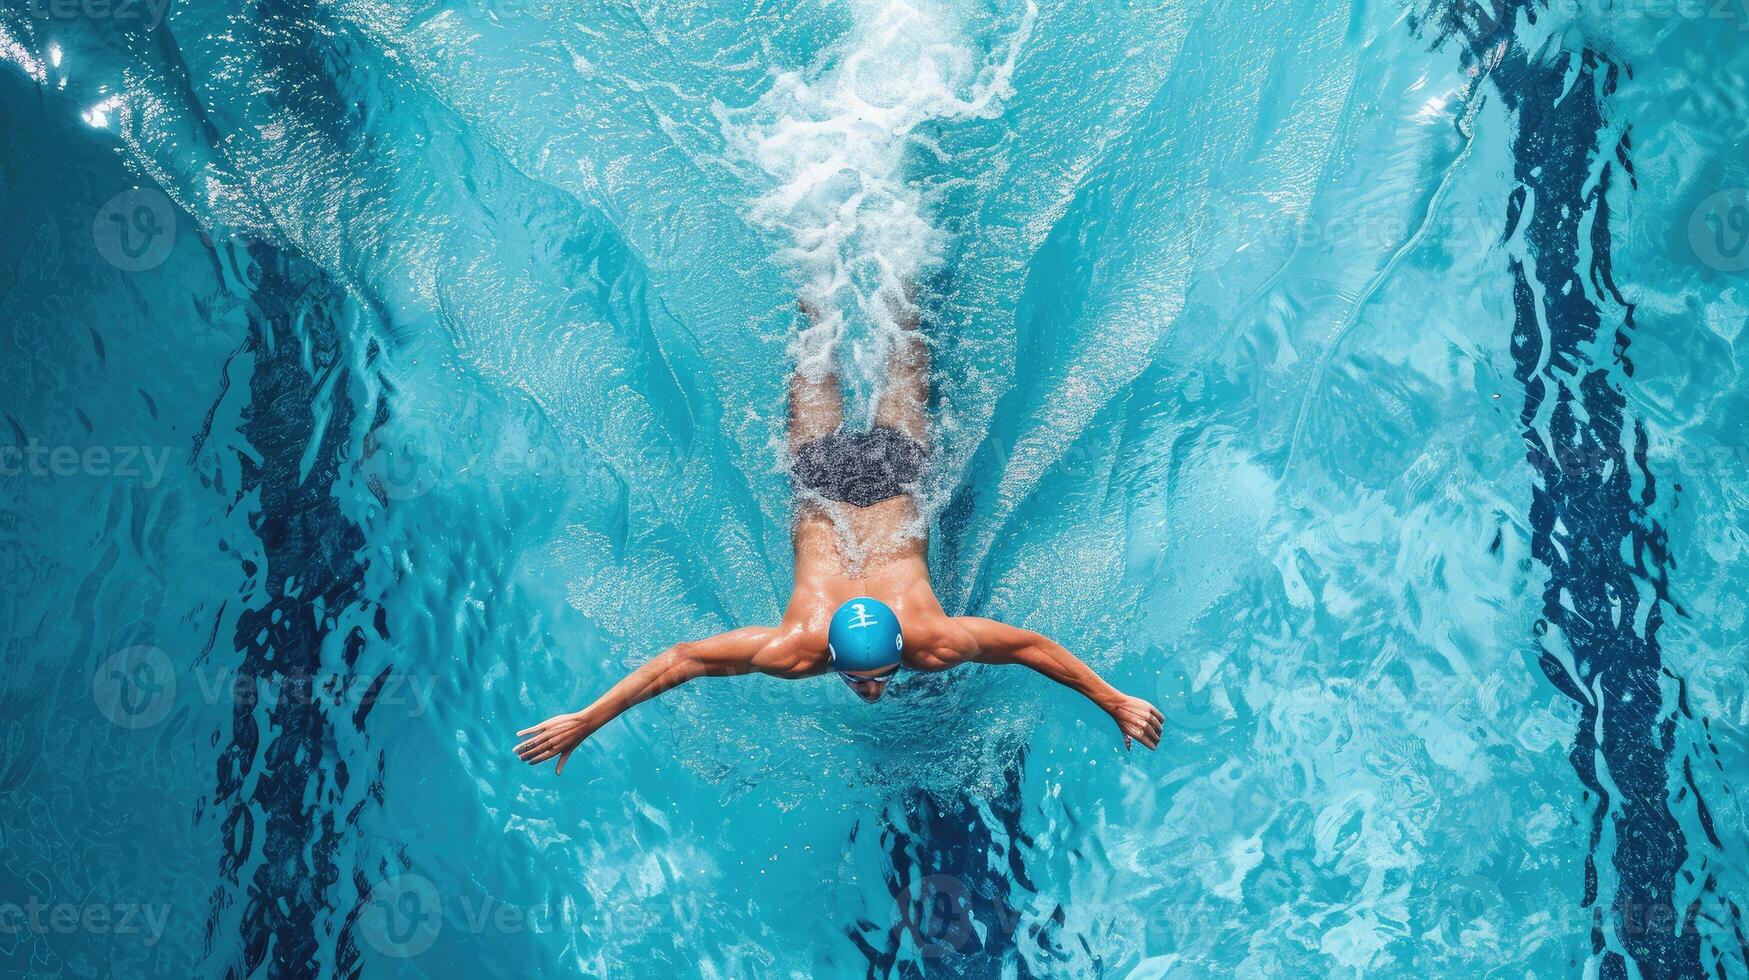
(864, 635)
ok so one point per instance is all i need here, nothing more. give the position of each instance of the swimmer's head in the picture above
(864, 641)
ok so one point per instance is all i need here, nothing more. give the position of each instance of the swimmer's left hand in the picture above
(557, 736)
(1138, 720)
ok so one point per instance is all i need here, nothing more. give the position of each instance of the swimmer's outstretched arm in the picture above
(741, 651)
(998, 643)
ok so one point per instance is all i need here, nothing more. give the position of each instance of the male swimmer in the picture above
(862, 605)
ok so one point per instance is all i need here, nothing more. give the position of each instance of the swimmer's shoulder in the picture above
(936, 643)
(796, 649)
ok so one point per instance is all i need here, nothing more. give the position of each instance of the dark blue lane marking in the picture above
(960, 890)
(1584, 508)
(298, 337)
(305, 538)
(1588, 453)
(308, 541)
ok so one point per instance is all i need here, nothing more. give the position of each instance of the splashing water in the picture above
(839, 147)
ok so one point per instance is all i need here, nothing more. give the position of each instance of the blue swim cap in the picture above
(864, 635)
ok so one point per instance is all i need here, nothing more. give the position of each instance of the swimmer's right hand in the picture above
(1139, 721)
(557, 736)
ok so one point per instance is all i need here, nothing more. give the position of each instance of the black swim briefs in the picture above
(859, 468)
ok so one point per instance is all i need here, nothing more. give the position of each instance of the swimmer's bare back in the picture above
(858, 533)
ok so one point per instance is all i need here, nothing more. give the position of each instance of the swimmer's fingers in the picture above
(542, 733)
(1140, 722)
(537, 756)
(540, 749)
(560, 771)
(541, 737)
(542, 754)
(1149, 733)
(533, 747)
(550, 737)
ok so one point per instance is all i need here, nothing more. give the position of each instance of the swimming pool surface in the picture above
(1363, 382)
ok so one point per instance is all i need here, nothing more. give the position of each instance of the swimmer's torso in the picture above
(864, 551)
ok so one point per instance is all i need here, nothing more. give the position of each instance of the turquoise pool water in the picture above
(1361, 382)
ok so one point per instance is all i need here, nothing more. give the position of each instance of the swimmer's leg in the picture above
(816, 410)
(816, 402)
(903, 401)
(901, 404)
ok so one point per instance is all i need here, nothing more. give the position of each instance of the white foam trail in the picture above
(834, 145)
(14, 51)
